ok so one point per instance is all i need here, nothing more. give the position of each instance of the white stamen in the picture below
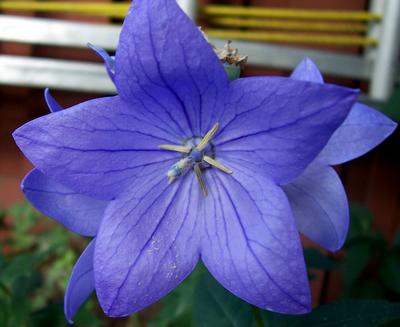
(177, 148)
(217, 164)
(199, 176)
(195, 158)
(206, 139)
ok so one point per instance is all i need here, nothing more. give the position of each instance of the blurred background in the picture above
(43, 44)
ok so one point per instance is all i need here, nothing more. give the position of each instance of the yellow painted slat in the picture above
(289, 25)
(289, 13)
(327, 39)
(115, 10)
(119, 10)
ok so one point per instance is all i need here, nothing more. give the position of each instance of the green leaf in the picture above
(366, 288)
(315, 259)
(23, 285)
(360, 222)
(396, 240)
(4, 312)
(391, 108)
(215, 306)
(355, 261)
(177, 307)
(389, 272)
(21, 265)
(86, 316)
(50, 315)
(20, 310)
(350, 313)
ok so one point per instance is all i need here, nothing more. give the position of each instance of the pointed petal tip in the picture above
(309, 62)
(338, 245)
(307, 70)
(23, 181)
(393, 126)
(52, 104)
(80, 285)
(67, 314)
(108, 60)
(17, 136)
(69, 319)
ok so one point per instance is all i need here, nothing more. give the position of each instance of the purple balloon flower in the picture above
(177, 115)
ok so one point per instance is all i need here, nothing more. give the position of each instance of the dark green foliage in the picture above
(34, 270)
(177, 307)
(34, 273)
(215, 306)
(315, 259)
(391, 108)
(347, 313)
(371, 266)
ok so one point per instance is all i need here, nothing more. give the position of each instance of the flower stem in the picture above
(257, 317)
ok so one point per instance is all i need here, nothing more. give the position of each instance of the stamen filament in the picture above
(171, 180)
(204, 142)
(199, 176)
(177, 148)
(217, 164)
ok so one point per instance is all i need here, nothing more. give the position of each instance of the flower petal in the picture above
(51, 102)
(307, 71)
(147, 243)
(251, 244)
(320, 206)
(80, 284)
(97, 147)
(108, 60)
(363, 129)
(162, 53)
(281, 124)
(79, 213)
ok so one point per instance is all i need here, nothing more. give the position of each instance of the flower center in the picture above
(198, 153)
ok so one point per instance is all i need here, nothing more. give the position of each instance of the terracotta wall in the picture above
(18, 105)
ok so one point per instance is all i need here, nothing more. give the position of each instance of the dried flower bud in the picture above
(231, 59)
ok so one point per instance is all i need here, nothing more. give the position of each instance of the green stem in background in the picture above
(5, 290)
(257, 317)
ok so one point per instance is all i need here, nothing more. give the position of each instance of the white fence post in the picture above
(189, 7)
(385, 57)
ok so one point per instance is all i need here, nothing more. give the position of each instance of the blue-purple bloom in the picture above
(101, 172)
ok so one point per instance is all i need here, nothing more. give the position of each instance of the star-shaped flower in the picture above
(177, 115)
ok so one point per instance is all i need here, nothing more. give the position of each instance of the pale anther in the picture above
(199, 176)
(217, 164)
(197, 157)
(207, 138)
(177, 148)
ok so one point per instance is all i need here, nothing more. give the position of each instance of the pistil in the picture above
(195, 157)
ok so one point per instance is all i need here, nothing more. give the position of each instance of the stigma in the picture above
(198, 154)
